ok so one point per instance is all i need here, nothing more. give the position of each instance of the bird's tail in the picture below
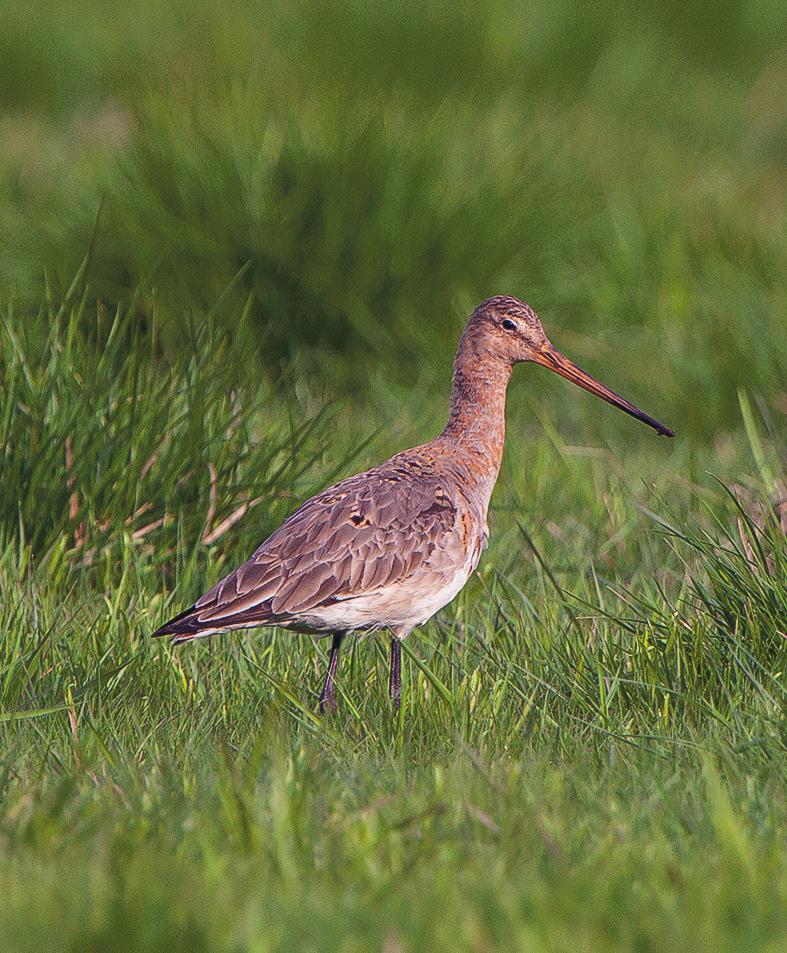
(184, 627)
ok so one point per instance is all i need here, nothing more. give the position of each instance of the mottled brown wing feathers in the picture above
(365, 533)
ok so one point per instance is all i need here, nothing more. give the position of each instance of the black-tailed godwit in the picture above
(389, 547)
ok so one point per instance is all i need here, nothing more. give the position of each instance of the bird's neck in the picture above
(476, 425)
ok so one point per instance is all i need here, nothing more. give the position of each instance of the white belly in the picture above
(402, 606)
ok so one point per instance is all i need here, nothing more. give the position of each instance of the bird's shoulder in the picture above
(405, 491)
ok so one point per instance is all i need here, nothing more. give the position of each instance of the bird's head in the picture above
(510, 331)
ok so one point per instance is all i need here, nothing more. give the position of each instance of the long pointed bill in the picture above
(552, 358)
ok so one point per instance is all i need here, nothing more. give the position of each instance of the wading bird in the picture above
(389, 547)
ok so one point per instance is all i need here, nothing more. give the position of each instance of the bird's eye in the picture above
(509, 325)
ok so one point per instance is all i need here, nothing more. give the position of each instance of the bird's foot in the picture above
(328, 704)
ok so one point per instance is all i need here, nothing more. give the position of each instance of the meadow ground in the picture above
(236, 252)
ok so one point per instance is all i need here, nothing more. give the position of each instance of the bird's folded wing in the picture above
(366, 533)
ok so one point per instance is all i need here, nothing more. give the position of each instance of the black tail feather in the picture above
(185, 625)
(188, 625)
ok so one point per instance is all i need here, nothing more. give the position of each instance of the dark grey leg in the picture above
(395, 678)
(327, 695)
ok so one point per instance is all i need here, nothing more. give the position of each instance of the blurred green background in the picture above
(358, 176)
(238, 244)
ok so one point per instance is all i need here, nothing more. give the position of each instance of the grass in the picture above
(556, 723)
(235, 255)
